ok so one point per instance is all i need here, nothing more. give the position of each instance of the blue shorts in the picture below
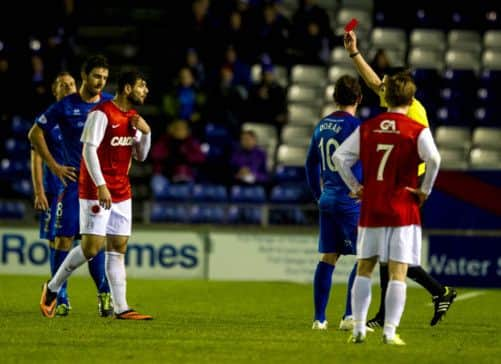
(67, 211)
(48, 219)
(338, 232)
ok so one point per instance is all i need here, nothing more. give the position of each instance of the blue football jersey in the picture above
(329, 133)
(70, 114)
(54, 139)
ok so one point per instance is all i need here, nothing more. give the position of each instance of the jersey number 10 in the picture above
(326, 153)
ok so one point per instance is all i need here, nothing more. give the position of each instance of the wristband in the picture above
(354, 54)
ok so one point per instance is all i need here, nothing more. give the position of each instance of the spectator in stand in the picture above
(177, 154)
(248, 160)
(272, 34)
(227, 102)
(267, 99)
(185, 101)
(312, 33)
(241, 70)
(192, 61)
(236, 34)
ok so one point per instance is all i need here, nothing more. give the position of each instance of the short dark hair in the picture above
(95, 61)
(347, 90)
(128, 78)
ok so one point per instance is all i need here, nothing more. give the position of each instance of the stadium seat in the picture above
(367, 5)
(488, 95)
(433, 39)
(492, 39)
(464, 40)
(244, 215)
(487, 116)
(449, 137)
(485, 159)
(308, 75)
(17, 148)
(302, 114)
(209, 193)
(287, 216)
(285, 174)
(168, 212)
(12, 210)
(23, 187)
(20, 126)
(281, 74)
(207, 214)
(426, 58)
(389, 38)
(346, 13)
(460, 78)
(291, 156)
(340, 57)
(453, 114)
(487, 138)
(336, 71)
(491, 59)
(174, 192)
(462, 59)
(305, 95)
(243, 193)
(396, 57)
(290, 193)
(453, 158)
(296, 135)
(490, 78)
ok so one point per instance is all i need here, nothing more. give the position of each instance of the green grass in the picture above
(234, 322)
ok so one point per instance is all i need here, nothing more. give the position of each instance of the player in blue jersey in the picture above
(70, 114)
(46, 186)
(338, 211)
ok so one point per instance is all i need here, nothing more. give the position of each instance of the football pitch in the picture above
(235, 322)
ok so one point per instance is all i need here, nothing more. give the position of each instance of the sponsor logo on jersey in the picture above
(76, 112)
(121, 141)
(387, 126)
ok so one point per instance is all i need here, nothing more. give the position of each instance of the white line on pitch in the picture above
(465, 296)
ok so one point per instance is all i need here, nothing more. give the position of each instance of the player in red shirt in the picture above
(113, 133)
(390, 147)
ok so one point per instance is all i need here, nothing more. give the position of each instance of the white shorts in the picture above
(400, 244)
(96, 220)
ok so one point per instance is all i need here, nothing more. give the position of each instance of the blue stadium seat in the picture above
(289, 174)
(159, 187)
(23, 187)
(20, 126)
(242, 193)
(17, 148)
(12, 169)
(244, 215)
(459, 78)
(454, 114)
(207, 214)
(12, 210)
(214, 193)
(488, 116)
(163, 191)
(287, 216)
(161, 212)
(290, 193)
(490, 78)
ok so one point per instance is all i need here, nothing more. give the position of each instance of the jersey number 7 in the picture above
(387, 148)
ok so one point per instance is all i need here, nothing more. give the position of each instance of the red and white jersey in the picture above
(108, 128)
(390, 147)
(390, 159)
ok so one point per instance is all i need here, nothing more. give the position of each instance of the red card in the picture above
(352, 24)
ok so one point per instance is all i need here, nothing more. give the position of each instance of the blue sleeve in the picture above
(50, 118)
(313, 170)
